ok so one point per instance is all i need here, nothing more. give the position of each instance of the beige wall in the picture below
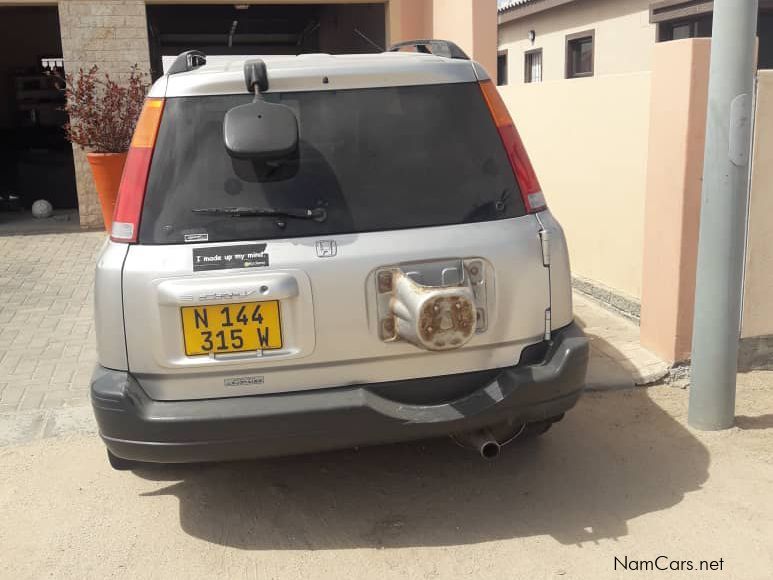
(485, 30)
(408, 19)
(676, 146)
(623, 37)
(587, 139)
(472, 24)
(451, 21)
(758, 290)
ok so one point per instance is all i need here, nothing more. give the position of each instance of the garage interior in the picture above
(36, 161)
(264, 29)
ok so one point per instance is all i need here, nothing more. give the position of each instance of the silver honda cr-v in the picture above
(315, 252)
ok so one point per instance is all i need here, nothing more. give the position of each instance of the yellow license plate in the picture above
(222, 328)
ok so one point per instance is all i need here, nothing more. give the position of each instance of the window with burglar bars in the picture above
(533, 66)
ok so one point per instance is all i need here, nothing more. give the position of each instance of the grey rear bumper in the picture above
(547, 383)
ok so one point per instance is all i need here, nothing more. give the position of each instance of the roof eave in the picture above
(518, 12)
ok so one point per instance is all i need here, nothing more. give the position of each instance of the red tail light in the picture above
(131, 193)
(531, 192)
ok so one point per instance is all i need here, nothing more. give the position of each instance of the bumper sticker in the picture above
(230, 257)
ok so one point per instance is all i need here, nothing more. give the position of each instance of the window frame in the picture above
(670, 10)
(527, 69)
(505, 81)
(665, 30)
(571, 40)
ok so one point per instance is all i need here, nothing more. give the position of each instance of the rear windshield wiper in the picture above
(317, 214)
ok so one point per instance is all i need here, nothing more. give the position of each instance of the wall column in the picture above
(409, 19)
(472, 24)
(757, 326)
(114, 35)
(678, 106)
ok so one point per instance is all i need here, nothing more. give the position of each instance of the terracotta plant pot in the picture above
(107, 169)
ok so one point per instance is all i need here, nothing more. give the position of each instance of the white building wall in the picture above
(624, 37)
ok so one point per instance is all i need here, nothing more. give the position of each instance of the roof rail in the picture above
(444, 48)
(186, 61)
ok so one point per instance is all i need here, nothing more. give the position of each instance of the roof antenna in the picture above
(310, 27)
(234, 24)
(362, 35)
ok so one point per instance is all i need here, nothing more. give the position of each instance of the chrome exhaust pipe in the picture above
(489, 450)
(488, 442)
(481, 441)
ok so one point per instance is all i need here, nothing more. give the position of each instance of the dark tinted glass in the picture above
(502, 69)
(680, 31)
(581, 51)
(376, 159)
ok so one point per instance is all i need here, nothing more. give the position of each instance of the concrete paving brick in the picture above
(81, 381)
(11, 395)
(51, 353)
(59, 398)
(47, 324)
(71, 351)
(31, 401)
(47, 346)
(43, 372)
(63, 375)
(9, 362)
(36, 386)
(88, 354)
(20, 375)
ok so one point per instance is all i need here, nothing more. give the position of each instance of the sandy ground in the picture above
(621, 476)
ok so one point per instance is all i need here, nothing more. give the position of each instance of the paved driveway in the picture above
(47, 350)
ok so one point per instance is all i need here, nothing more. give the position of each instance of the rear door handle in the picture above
(227, 289)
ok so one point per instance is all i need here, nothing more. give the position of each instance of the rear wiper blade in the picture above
(316, 214)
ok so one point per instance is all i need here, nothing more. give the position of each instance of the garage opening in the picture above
(264, 29)
(36, 161)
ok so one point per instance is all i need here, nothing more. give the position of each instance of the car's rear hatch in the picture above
(414, 181)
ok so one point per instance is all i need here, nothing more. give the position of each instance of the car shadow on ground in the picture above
(617, 456)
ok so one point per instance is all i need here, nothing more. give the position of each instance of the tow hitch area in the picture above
(433, 305)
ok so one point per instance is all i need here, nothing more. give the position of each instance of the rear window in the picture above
(375, 159)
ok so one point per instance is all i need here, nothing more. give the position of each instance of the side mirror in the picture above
(260, 131)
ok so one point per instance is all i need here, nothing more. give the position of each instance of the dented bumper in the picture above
(548, 381)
